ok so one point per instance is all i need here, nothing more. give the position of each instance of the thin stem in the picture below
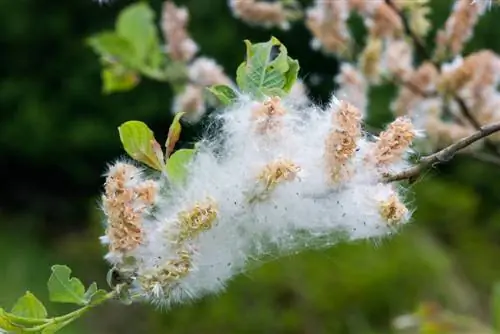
(467, 114)
(64, 320)
(444, 155)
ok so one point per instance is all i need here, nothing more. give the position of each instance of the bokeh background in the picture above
(57, 132)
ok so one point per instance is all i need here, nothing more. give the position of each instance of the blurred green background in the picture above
(57, 132)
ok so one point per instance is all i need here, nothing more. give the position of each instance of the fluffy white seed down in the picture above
(246, 219)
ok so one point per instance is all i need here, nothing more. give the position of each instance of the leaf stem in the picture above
(66, 319)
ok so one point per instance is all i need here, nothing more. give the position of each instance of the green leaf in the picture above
(119, 58)
(261, 75)
(134, 45)
(291, 75)
(177, 165)
(114, 47)
(174, 132)
(90, 291)
(118, 79)
(62, 289)
(95, 296)
(30, 307)
(225, 94)
(139, 142)
(496, 307)
(136, 25)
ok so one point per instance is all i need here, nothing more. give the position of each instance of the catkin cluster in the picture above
(275, 179)
(445, 91)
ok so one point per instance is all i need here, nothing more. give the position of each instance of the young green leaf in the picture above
(158, 151)
(134, 47)
(177, 165)
(62, 289)
(90, 291)
(225, 94)
(291, 75)
(30, 307)
(136, 25)
(138, 141)
(262, 75)
(118, 79)
(94, 296)
(112, 46)
(174, 132)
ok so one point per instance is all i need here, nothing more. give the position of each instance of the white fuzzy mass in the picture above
(252, 221)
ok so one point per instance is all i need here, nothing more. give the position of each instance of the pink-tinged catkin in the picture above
(190, 101)
(393, 210)
(327, 21)
(458, 27)
(452, 81)
(486, 75)
(180, 46)
(364, 7)
(475, 80)
(260, 12)
(393, 142)
(125, 200)
(146, 192)
(487, 111)
(417, 84)
(341, 142)
(478, 72)
(398, 58)
(386, 22)
(353, 87)
(206, 72)
(380, 19)
(267, 116)
(442, 134)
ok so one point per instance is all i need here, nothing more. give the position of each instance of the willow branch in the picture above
(467, 114)
(444, 155)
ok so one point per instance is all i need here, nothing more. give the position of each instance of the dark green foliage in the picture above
(57, 132)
